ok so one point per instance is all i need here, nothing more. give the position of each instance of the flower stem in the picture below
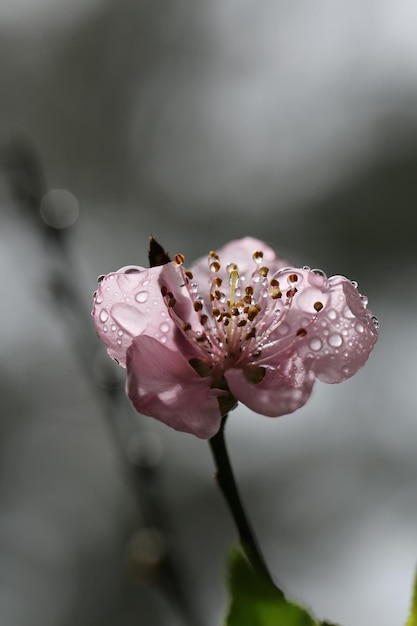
(227, 483)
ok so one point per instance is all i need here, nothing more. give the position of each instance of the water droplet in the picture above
(331, 313)
(359, 327)
(142, 296)
(307, 268)
(105, 329)
(146, 283)
(364, 301)
(101, 278)
(319, 273)
(119, 342)
(346, 370)
(163, 339)
(99, 298)
(375, 322)
(113, 328)
(194, 287)
(104, 315)
(354, 283)
(283, 328)
(315, 344)
(120, 333)
(164, 327)
(335, 340)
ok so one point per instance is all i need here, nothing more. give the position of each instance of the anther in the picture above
(189, 274)
(213, 255)
(215, 266)
(186, 326)
(217, 281)
(242, 323)
(171, 302)
(101, 278)
(258, 256)
(292, 278)
(203, 320)
(179, 259)
(263, 271)
(198, 306)
(164, 291)
(215, 311)
(301, 332)
(318, 306)
(291, 292)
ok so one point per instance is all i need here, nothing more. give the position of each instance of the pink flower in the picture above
(242, 327)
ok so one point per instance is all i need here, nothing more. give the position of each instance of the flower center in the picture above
(234, 315)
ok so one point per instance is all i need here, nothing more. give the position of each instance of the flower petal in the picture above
(282, 390)
(327, 325)
(128, 303)
(162, 384)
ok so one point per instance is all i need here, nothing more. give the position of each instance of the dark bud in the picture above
(157, 255)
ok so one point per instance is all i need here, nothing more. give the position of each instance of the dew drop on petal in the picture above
(335, 340)
(119, 342)
(346, 370)
(164, 327)
(99, 299)
(332, 314)
(146, 283)
(315, 344)
(113, 328)
(375, 322)
(105, 329)
(354, 283)
(163, 339)
(104, 315)
(142, 296)
(359, 327)
(120, 333)
(319, 272)
(364, 301)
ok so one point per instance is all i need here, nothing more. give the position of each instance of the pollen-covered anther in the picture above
(318, 306)
(213, 255)
(217, 281)
(201, 339)
(186, 326)
(215, 266)
(164, 291)
(301, 332)
(291, 292)
(292, 278)
(189, 274)
(215, 311)
(234, 311)
(198, 306)
(275, 292)
(203, 319)
(242, 323)
(179, 259)
(171, 301)
(263, 271)
(258, 256)
(253, 312)
(247, 299)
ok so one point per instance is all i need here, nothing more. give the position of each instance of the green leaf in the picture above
(254, 601)
(412, 620)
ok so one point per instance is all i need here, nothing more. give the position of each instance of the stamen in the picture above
(263, 271)
(215, 266)
(318, 306)
(258, 256)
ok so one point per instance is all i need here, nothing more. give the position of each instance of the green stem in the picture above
(226, 481)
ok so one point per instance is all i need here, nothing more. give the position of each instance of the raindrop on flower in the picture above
(335, 340)
(332, 314)
(375, 322)
(142, 296)
(164, 327)
(104, 316)
(315, 344)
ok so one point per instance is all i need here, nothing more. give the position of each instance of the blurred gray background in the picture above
(201, 122)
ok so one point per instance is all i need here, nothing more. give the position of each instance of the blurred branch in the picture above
(24, 174)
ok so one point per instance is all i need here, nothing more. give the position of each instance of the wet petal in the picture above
(162, 384)
(282, 390)
(128, 303)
